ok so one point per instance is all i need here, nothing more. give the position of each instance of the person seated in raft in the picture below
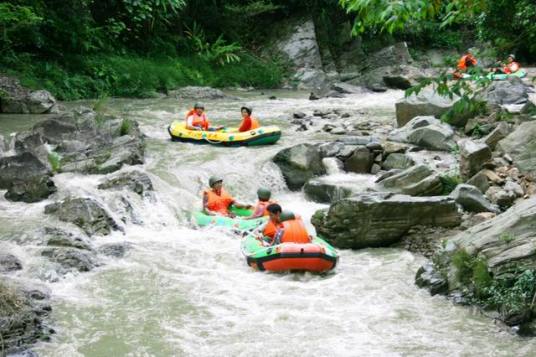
(248, 123)
(464, 63)
(216, 201)
(511, 66)
(284, 227)
(263, 194)
(196, 119)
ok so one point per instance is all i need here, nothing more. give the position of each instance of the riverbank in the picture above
(137, 76)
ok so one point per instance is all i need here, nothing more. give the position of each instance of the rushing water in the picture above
(188, 292)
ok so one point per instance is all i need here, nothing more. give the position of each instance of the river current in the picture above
(183, 291)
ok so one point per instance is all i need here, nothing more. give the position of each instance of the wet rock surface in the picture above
(85, 213)
(9, 263)
(418, 180)
(471, 199)
(135, 181)
(427, 102)
(298, 164)
(16, 99)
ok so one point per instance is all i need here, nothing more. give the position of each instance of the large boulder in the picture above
(298, 164)
(9, 262)
(136, 181)
(471, 199)
(71, 258)
(86, 213)
(427, 102)
(396, 76)
(301, 49)
(426, 132)
(327, 189)
(198, 93)
(16, 99)
(418, 180)
(381, 219)
(22, 310)
(511, 91)
(56, 237)
(397, 161)
(397, 54)
(521, 146)
(360, 161)
(472, 156)
(26, 178)
(500, 132)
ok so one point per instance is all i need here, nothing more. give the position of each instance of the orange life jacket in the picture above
(200, 121)
(466, 61)
(254, 124)
(219, 203)
(294, 231)
(511, 67)
(271, 229)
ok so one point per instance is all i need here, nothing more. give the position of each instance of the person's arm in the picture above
(190, 123)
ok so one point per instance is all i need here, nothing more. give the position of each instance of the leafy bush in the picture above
(449, 182)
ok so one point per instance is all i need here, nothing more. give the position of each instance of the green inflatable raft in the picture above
(238, 223)
(498, 76)
(317, 256)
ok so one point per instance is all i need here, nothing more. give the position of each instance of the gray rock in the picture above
(472, 156)
(301, 49)
(19, 100)
(197, 92)
(427, 132)
(9, 263)
(330, 149)
(514, 187)
(298, 164)
(376, 220)
(397, 54)
(346, 88)
(21, 320)
(360, 161)
(325, 192)
(480, 181)
(520, 145)
(356, 140)
(116, 250)
(85, 213)
(502, 198)
(135, 181)
(395, 76)
(26, 178)
(71, 258)
(511, 91)
(397, 161)
(471, 199)
(375, 169)
(428, 277)
(427, 102)
(500, 132)
(56, 237)
(299, 115)
(418, 180)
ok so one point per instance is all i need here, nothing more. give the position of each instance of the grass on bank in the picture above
(134, 76)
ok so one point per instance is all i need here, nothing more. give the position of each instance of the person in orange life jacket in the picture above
(248, 123)
(284, 227)
(196, 119)
(261, 210)
(464, 63)
(217, 201)
(510, 67)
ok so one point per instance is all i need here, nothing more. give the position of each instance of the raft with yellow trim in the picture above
(317, 256)
(265, 135)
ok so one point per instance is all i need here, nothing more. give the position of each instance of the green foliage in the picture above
(507, 237)
(55, 161)
(126, 127)
(449, 182)
(15, 23)
(472, 272)
(512, 295)
(217, 52)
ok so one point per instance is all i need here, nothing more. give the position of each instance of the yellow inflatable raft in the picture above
(264, 135)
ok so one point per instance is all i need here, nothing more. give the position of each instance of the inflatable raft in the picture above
(265, 135)
(498, 76)
(237, 223)
(317, 256)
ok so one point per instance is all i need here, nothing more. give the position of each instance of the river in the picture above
(188, 292)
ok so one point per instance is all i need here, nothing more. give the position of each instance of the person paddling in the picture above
(248, 123)
(464, 63)
(216, 201)
(284, 227)
(196, 119)
(263, 194)
(510, 67)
